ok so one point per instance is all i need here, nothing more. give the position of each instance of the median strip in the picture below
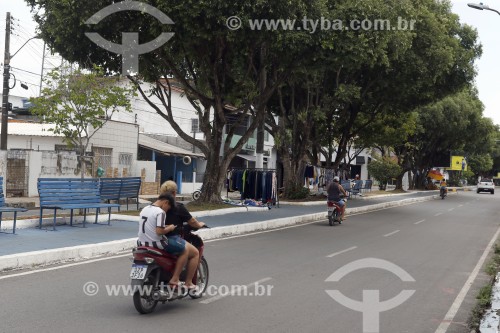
(82, 252)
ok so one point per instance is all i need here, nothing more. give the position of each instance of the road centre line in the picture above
(447, 320)
(419, 221)
(460, 205)
(392, 233)
(438, 214)
(340, 252)
(233, 292)
(451, 209)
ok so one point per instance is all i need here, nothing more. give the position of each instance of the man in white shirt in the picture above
(152, 231)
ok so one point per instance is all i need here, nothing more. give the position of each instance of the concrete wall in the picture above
(34, 171)
(33, 142)
(121, 137)
(150, 170)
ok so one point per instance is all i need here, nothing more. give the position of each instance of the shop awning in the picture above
(247, 157)
(164, 148)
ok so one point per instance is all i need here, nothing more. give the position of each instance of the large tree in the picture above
(359, 77)
(454, 124)
(227, 75)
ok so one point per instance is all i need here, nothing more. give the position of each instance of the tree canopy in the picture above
(317, 92)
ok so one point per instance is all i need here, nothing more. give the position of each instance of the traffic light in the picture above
(9, 107)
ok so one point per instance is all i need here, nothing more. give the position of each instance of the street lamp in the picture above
(480, 6)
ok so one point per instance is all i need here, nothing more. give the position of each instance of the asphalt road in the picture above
(437, 243)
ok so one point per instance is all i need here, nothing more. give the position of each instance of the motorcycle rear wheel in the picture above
(201, 279)
(144, 304)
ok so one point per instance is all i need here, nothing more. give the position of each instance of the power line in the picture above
(23, 70)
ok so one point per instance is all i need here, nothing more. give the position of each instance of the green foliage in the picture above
(79, 103)
(383, 170)
(480, 164)
(297, 192)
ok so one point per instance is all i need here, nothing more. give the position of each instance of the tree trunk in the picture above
(82, 163)
(399, 181)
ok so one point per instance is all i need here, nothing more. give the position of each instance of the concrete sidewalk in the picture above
(31, 247)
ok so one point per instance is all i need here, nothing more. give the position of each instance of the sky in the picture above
(27, 64)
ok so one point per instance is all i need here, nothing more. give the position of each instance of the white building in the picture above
(34, 151)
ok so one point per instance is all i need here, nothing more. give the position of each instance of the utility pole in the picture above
(43, 65)
(5, 93)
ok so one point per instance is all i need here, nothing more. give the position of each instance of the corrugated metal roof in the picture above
(30, 129)
(164, 148)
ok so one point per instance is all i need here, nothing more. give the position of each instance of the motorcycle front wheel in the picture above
(143, 299)
(201, 279)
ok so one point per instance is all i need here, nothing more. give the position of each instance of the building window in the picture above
(360, 160)
(102, 157)
(125, 159)
(195, 128)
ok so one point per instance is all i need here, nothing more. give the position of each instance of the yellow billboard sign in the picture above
(458, 163)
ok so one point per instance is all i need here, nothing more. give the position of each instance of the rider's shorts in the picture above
(176, 245)
(341, 203)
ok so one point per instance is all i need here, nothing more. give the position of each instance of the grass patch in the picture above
(484, 295)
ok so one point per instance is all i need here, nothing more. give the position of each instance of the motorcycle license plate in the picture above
(138, 272)
(331, 209)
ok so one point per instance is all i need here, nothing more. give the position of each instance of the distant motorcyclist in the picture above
(442, 186)
(334, 189)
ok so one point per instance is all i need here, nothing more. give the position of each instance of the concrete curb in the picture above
(81, 252)
(322, 202)
(490, 322)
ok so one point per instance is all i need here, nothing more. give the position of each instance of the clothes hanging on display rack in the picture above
(256, 184)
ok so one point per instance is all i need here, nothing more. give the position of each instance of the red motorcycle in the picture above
(152, 270)
(334, 212)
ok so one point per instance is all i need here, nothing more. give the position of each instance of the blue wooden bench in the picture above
(367, 186)
(347, 187)
(71, 193)
(4, 209)
(120, 188)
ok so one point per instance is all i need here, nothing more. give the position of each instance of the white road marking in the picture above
(445, 323)
(438, 214)
(340, 252)
(419, 221)
(233, 292)
(451, 209)
(392, 233)
(460, 205)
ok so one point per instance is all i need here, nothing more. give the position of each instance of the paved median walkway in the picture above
(111, 239)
